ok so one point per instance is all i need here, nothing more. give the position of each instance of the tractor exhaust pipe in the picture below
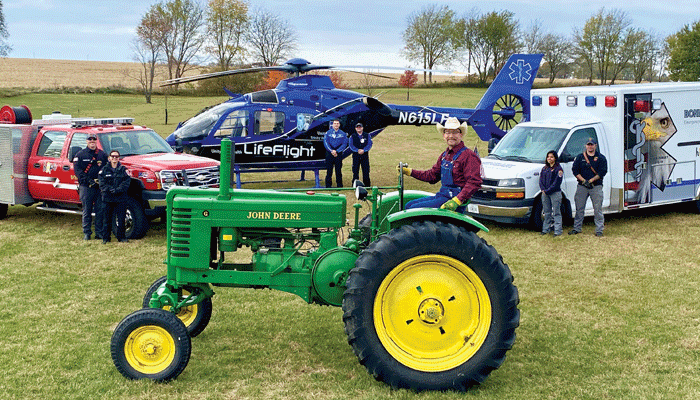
(225, 170)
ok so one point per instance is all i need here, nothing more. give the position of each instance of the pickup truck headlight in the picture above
(168, 179)
(515, 182)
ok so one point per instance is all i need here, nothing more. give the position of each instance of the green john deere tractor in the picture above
(427, 304)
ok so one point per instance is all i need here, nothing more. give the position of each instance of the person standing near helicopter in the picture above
(360, 144)
(335, 141)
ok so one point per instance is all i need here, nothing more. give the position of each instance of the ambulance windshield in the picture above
(529, 144)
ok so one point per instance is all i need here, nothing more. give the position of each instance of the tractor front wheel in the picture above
(151, 343)
(195, 317)
(430, 306)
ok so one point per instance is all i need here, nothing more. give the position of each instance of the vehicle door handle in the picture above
(36, 165)
(66, 167)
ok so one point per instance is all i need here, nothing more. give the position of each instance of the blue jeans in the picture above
(551, 206)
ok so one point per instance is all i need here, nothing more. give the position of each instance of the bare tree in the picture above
(270, 37)
(556, 51)
(533, 37)
(429, 37)
(226, 23)
(148, 47)
(644, 53)
(465, 38)
(5, 48)
(184, 37)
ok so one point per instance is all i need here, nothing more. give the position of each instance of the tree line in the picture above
(227, 34)
(606, 48)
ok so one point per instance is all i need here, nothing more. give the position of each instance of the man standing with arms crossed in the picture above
(87, 164)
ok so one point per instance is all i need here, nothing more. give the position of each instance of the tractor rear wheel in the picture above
(430, 306)
(195, 317)
(151, 343)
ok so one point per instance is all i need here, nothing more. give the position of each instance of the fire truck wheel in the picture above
(430, 306)
(3, 211)
(136, 224)
(151, 343)
(195, 317)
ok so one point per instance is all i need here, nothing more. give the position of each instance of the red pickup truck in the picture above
(36, 166)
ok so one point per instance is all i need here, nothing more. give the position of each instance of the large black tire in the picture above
(152, 344)
(136, 223)
(195, 317)
(3, 211)
(537, 218)
(430, 306)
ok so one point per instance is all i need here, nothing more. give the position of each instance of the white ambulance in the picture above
(649, 133)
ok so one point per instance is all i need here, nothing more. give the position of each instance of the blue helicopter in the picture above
(283, 128)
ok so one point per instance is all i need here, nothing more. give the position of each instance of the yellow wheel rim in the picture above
(187, 314)
(432, 313)
(149, 349)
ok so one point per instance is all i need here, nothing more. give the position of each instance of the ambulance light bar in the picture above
(76, 122)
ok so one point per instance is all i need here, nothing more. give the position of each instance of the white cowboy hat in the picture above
(452, 123)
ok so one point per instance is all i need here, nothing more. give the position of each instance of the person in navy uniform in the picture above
(114, 183)
(87, 164)
(335, 141)
(458, 169)
(551, 177)
(589, 168)
(360, 144)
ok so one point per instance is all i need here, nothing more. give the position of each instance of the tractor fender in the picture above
(434, 214)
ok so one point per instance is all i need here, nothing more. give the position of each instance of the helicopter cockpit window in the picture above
(199, 126)
(269, 123)
(235, 124)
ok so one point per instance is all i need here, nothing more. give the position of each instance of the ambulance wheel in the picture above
(151, 343)
(3, 211)
(430, 306)
(136, 224)
(195, 317)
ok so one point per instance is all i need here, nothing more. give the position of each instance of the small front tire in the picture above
(152, 344)
(195, 317)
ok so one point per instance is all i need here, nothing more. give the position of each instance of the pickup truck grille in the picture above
(197, 177)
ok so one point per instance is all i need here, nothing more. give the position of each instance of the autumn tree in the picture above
(428, 37)
(148, 48)
(408, 80)
(337, 79)
(270, 37)
(272, 79)
(226, 22)
(684, 53)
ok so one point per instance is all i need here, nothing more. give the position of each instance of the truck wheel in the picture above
(151, 343)
(195, 317)
(430, 306)
(136, 224)
(3, 211)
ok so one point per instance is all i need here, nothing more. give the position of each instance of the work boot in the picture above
(574, 232)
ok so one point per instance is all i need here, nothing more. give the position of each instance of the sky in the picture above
(330, 32)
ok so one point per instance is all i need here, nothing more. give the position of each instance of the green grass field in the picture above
(601, 318)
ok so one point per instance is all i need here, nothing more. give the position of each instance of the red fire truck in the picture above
(36, 164)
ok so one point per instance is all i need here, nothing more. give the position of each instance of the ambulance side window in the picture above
(576, 144)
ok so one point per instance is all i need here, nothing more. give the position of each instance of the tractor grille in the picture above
(180, 232)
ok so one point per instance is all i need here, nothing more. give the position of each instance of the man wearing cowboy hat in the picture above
(458, 169)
